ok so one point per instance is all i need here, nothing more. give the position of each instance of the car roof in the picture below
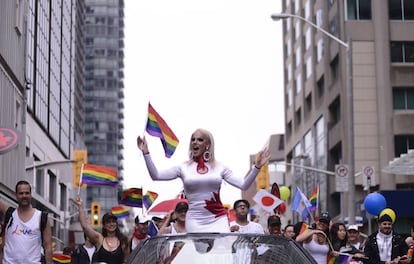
(218, 248)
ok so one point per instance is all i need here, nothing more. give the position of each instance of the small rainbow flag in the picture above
(120, 212)
(157, 127)
(303, 228)
(149, 199)
(313, 199)
(130, 197)
(341, 259)
(59, 258)
(98, 175)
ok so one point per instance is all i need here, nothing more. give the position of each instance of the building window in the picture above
(289, 98)
(321, 87)
(403, 99)
(335, 68)
(52, 187)
(402, 143)
(333, 26)
(359, 9)
(308, 68)
(401, 9)
(334, 112)
(298, 83)
(319, 50)
(402, 51)
(298, 117)
(308, 103)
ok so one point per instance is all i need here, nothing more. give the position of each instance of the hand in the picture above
(263, 158)
(234, 228)
(142, 145)
(79, 201)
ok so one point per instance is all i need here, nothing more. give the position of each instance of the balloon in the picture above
(374, 203)
(389, 212)
(282, 208)
(284, 193)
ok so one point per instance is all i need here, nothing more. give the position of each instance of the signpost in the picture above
(342, 184)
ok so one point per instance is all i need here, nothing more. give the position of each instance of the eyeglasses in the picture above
(241, 205)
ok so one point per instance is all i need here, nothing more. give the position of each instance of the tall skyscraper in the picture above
(104, 91)
(319, 117)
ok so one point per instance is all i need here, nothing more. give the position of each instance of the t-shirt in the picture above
(250, 228)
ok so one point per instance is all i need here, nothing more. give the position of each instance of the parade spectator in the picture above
(111, 246)
(289, 231)
(241, 224)
(385, 246)
(154, 226)
(353, 237)
(178, 225)
(25, 247)
(410, 239)
(140, 231)
(274, 225)
(83, 253)
(202, 176)
(340, 245)
(315, 241)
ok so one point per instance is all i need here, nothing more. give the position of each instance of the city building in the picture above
(351, 102)
(103, 92)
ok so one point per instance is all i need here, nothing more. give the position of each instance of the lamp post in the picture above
(350, 109)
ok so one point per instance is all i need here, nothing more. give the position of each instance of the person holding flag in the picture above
(202, 176)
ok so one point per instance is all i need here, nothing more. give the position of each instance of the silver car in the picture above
(219, 248)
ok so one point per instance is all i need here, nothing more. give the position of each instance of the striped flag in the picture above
(313, 199)
(120, 212)
(98, 175)
(59, 258)
(157, 127)
(130, 197)
(341, 259)
(301, 204)
(149, 199)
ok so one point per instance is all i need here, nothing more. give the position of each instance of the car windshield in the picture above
(219, 248)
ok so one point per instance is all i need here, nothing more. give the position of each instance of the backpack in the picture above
(8, 218)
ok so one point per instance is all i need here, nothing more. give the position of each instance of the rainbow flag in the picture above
(157, 127)
(303, 228)
(341, 259)
(149, 199)
(98, 175)
(120, 212)
(130, 197)
(59, 258)
(313, 199)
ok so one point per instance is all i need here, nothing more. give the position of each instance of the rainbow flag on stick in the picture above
(98, 175)
(120, 212)
(313, 199)
(149, 199)
(157, 127)
(59, 258)
(130, 197)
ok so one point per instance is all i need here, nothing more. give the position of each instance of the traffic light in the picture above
(262, 179)
(80, 156)
(95, 214)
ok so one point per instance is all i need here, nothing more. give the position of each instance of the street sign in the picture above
(341, 178)
(368, 176)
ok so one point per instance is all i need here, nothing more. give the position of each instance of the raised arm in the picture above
(94, 236)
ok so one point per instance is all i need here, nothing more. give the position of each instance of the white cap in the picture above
(353, 227)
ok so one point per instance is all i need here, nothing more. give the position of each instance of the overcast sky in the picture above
(214, 64)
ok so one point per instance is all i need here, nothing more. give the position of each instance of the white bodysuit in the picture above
(206, 212)
(23, 240)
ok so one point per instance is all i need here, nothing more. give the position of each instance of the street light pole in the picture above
(350, 109)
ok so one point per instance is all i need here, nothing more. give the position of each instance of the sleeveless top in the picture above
(23, 240)
(317, 251)
(206, 212)
(114, 257)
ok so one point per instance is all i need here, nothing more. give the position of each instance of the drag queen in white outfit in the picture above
(202, 176)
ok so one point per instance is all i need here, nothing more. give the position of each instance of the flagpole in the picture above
(80, 179)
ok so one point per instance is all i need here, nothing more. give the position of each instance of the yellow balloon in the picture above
(284, 193)
(390, 212)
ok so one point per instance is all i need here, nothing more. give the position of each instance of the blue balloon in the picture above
(374, 203)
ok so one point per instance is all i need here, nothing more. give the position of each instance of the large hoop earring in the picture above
(206, 155)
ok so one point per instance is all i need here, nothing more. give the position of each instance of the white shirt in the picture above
(23, 240)
(250, 228)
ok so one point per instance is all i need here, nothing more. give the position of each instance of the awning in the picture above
(404, 165)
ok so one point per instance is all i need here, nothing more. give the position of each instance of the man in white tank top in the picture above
(178, 225)
(23, 236)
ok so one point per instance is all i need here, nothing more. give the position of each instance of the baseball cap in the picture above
(142, 219)
(325, 217)
(181, 206)
(273, 220)
(353, 227)
(106, 217)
